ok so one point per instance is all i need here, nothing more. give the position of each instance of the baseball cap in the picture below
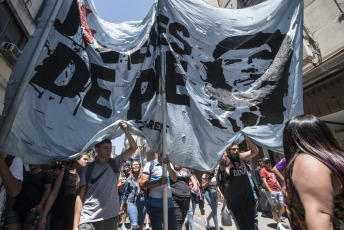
(265, 159)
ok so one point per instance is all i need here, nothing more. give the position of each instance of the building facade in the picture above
(17, 24)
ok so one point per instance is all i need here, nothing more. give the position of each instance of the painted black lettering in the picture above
(174, 28)
(70, 25)
(52, 68)
(91, 98)
(172, 80)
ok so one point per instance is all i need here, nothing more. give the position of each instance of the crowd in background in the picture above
(102, 194)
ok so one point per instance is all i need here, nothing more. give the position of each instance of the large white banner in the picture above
(225, 71)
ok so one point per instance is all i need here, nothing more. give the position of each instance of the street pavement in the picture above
(199, 222)
(263, 223)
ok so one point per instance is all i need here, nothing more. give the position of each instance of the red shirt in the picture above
(270, 179)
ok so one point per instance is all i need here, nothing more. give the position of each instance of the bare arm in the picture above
(253, 148)
(172, 174)
(147, 183)
(205, 181)
(278, 173)
(132, 144)
(79, 202)
(267, 187)
(11, 184)
(312, 180)
(194, 184)
(47, 190)
(50, 201)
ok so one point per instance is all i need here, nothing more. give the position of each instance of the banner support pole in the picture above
(164, 143)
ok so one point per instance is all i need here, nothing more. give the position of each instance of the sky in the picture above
(123, 10)
(120, 11)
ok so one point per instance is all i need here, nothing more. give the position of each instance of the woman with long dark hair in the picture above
(62, 198)
(135, 196)
(314, 175)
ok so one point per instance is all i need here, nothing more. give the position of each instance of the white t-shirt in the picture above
(212, 182)
(16, 169)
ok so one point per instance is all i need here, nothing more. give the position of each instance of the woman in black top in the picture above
(181, 193)
(62, 197)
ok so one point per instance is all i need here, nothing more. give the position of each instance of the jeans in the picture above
(191, 212)
(137, 211)
(156, 218)
(211, 196)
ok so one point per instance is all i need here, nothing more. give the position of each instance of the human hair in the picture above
(72, 163)
(57, 166)
(105, 141)
(309, 135)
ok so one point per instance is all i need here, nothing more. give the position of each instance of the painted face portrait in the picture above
(242, 63)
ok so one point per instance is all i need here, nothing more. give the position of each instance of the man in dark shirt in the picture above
(237, 189)
(35, 191)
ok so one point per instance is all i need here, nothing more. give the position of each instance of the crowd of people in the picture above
(102, 194)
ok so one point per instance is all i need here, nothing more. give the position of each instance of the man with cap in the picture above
(273, 192)
(236, 186)
(262, 187)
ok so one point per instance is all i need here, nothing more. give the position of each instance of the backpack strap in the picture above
(89, 171)
(113, 165)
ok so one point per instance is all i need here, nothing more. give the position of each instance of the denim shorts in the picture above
(278, 199)
(22, 218)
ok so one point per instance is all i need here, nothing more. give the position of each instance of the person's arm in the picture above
(132, 144)
(222, 164)
(11, 184)
(47, 190)
(194, 183)
(312, 180)
(253, 148)
(50, 201)
(172, 174)
(79, 201)
(278, 173)
(267, 187)
(205, 181)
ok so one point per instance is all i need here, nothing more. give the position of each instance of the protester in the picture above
(273, 192)
(181, 193)
(62, 198)
(11, 177)
(235, 184)
(209, 185)
(135, 197)
(97, 203)
(314, 175)
(29, 203)
(153, 180)
(125, 173)
(262, 188)
(194, 199)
